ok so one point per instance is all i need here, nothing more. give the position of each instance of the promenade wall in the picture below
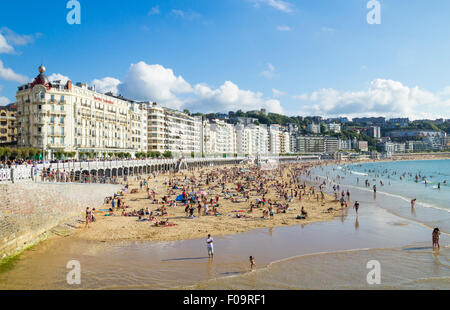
(29, 210)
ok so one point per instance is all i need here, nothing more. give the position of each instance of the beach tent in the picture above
(180, 198)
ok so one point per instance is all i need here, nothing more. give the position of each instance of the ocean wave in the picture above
(407, 199)
(359, 173)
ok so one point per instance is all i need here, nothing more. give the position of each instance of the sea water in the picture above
(428, 181)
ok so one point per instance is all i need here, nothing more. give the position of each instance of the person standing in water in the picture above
(252, 262)
(210, 246)
(436, 235)
(356, 206)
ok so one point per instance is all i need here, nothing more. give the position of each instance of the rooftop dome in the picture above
(42, 78)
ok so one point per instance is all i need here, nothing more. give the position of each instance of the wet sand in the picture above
(184, 264)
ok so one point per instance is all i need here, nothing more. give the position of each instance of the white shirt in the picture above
(209, 242)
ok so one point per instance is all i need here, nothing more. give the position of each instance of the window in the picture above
(52, 98)
(62, 99)
(52, 119)
(61, 120)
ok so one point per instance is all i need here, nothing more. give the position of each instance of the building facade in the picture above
(8, 130)
(75, 118)
(173, 131)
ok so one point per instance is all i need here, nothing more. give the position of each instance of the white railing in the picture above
(25, 172)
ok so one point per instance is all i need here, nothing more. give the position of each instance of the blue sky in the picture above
(293, 57)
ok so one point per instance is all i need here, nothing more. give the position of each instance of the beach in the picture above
(326, 251)
(121, 228)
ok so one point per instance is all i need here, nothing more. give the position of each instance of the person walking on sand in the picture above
(88, 217)
(436, 235)
(210, 246)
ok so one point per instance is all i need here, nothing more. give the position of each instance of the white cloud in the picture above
(270, 72)
(5, 48)
(105, 85)
(3, 100)
(279, 5)
(146, 82)
(9, 75)
(277, 93)
(154, 11)
(154, 83)
(190, 15)
(284, 28)
(229, 97)
(58, 77)
(18, 39)
(382, 98)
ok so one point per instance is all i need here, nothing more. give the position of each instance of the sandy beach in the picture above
(126, 228)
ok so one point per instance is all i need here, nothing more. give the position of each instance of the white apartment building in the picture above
(259, 139)
(219, 137)
(274, 132)
(174, 131)
(252, 139)
(76, 118)
(313, 128)
(374, 132)
(243, 139)
(334, 127)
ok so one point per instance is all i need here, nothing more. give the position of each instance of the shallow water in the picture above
(433, 205)
(182, 264)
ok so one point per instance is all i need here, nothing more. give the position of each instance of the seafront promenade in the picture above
(120, 168)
